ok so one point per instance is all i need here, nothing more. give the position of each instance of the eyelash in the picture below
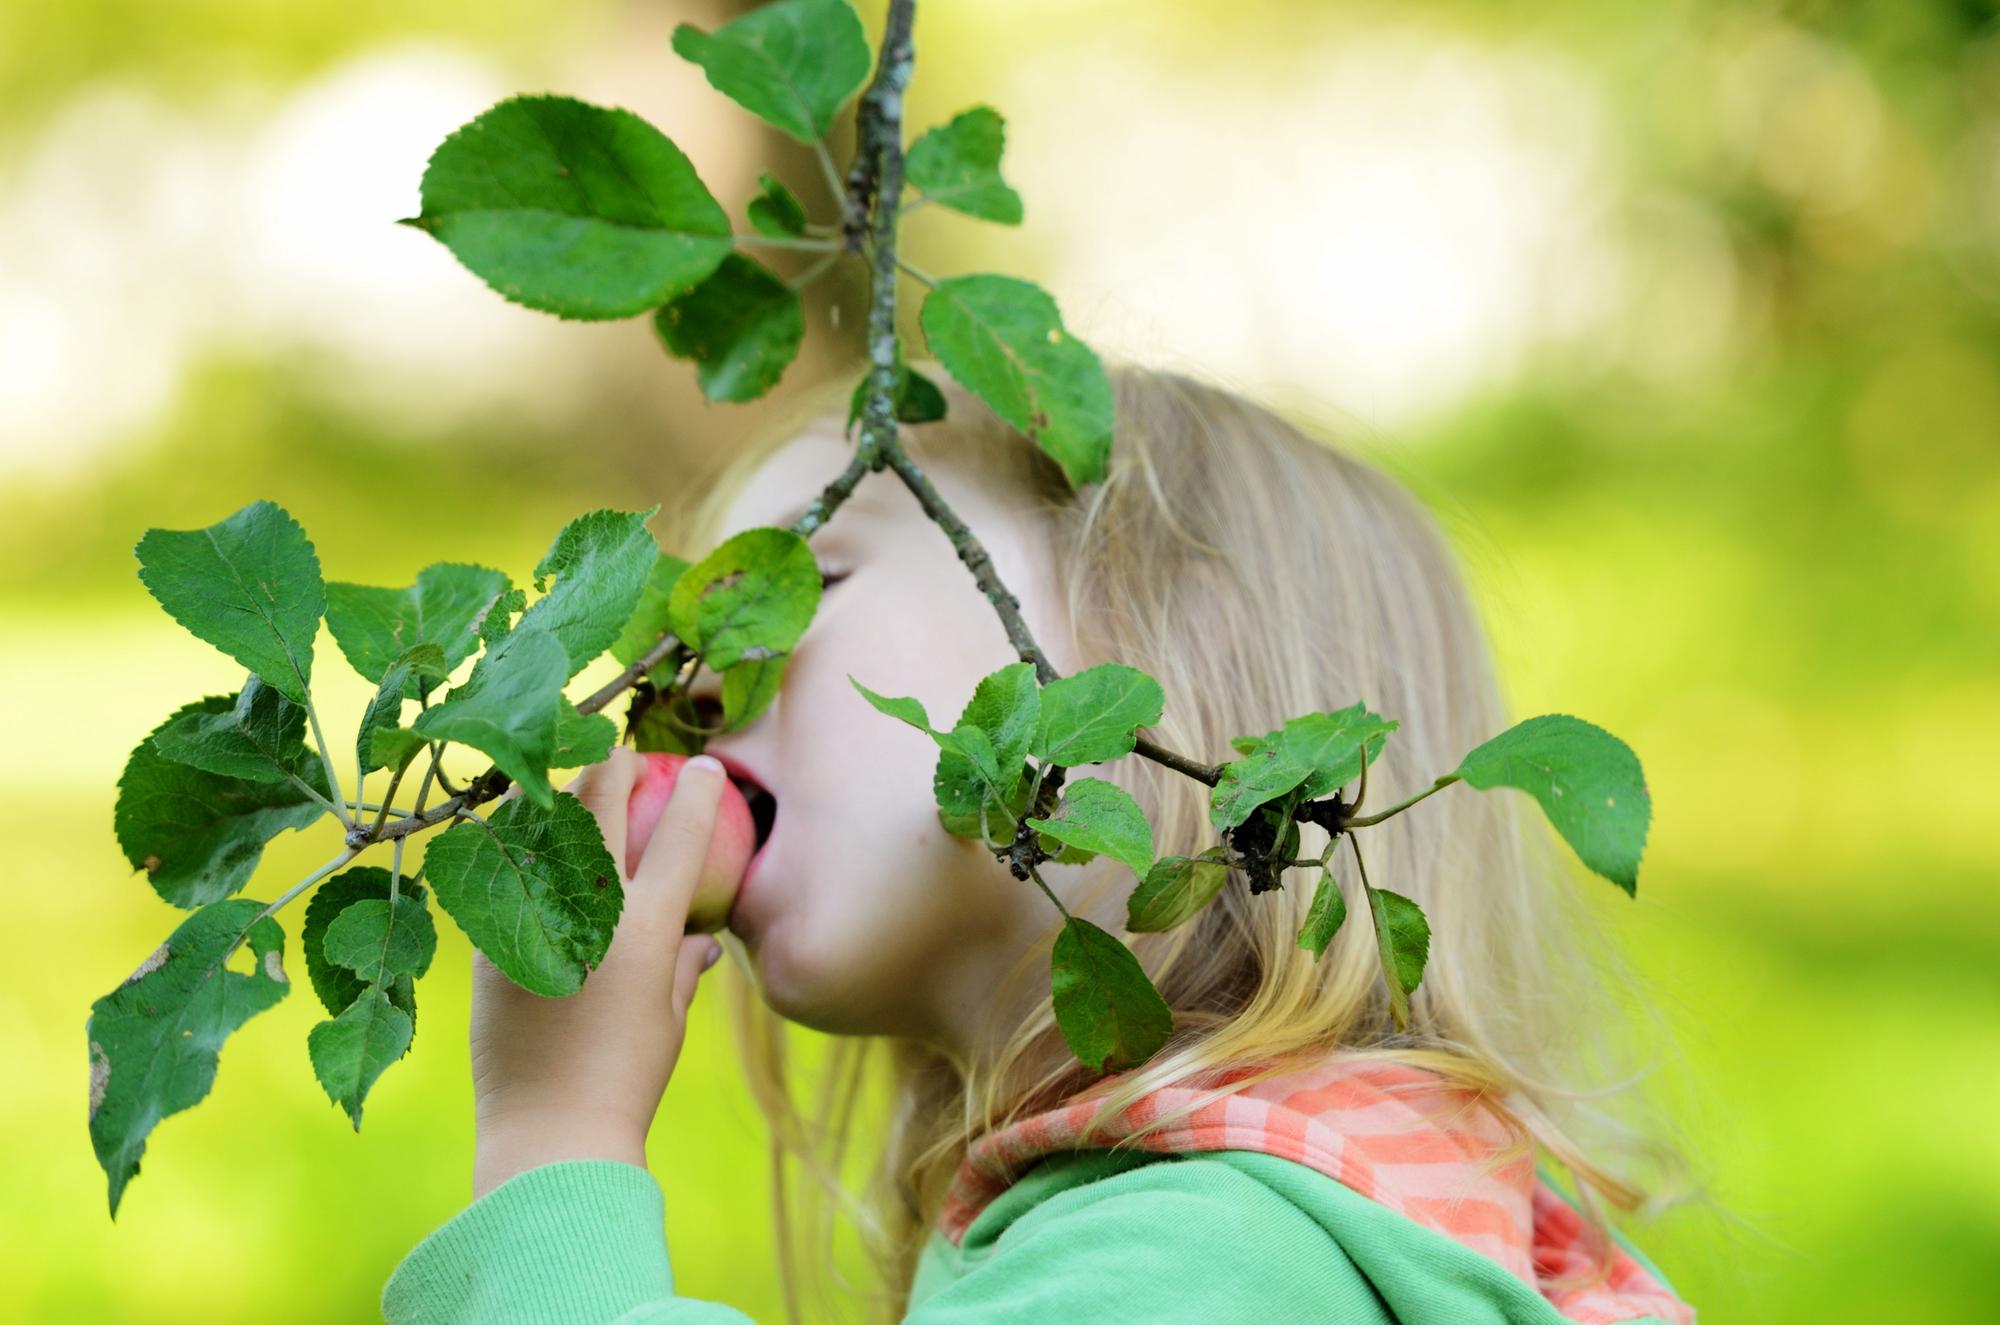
(827, 581)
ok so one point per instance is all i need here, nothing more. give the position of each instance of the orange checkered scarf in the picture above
(1394, 1133)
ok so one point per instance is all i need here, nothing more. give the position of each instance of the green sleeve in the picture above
(1175, 1243)
(578, 1242)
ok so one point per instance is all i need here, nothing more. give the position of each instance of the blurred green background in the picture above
(1683, 316)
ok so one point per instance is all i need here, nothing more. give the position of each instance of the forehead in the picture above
(792, 476)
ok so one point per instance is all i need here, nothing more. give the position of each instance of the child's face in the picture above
(864, 916)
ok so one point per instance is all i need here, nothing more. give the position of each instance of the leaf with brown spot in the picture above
(155, 1040)
(757, 590)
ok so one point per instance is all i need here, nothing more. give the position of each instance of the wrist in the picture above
(504, 1150)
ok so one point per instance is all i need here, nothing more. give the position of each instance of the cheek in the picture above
(861, 921)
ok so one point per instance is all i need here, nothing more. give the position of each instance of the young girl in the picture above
(1289, 1156)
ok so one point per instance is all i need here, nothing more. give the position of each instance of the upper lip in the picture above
(739, 770)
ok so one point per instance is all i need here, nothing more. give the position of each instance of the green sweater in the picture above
(1094, 1235)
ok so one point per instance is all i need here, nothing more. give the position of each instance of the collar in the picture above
(1397, 1134)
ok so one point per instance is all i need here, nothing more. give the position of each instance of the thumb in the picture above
(698, 953)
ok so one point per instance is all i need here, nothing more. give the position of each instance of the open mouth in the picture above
(763, 808)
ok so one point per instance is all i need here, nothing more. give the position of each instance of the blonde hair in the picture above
(1257, 574)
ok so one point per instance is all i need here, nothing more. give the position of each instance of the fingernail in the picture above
(707, 763)
(714, 955)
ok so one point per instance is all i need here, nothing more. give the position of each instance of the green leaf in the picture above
(260, 738)
(975, 773)
(750, 598)
(1006, 705)
(776, 210)
(642, 629)
(904, 707)
(1001, 816)
(338, 986)
(1173, 890)
(155, 1040)
(1004, 340)
(1330, 745)
(534, 888)
(375, 627)
(1403, 938)
(351, 1051)
(914, 398)
(582, 739)
(1588, 782)
(574, 209)
(378, 943)
(1260, 776)
(1324, 917)
(198, 835)
(1094, 715)
(385, 711)
(748, 689)
(1066, 853)
(974, 749)
(655, 729)
(742, 327)
(1101, 817)
(793, 64)
(1109, 1013)
(508, 708)
(1310, 756)
(249, 585)
(957, 165)
(600, 562)
(392, 747)
(499, 619)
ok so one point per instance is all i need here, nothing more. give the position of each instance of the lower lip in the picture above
(757, 857)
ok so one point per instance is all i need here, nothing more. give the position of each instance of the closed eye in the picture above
(827, 581)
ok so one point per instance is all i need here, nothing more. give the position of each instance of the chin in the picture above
(804, 983)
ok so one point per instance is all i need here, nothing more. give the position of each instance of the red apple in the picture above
(729, 846)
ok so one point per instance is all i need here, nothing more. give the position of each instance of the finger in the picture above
(605, 788)
(698, 953)
(671, 865)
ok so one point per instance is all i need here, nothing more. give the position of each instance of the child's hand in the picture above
(580, 1077)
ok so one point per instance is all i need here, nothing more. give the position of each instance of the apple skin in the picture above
(730, 846)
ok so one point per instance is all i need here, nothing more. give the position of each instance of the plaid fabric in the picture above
(1394, 1133)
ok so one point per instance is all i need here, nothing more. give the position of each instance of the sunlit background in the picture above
(1682, 315)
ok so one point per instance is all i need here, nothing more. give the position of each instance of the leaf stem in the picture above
(780, 241)
(833, 183)
(1394, 810)
(909, 270)
(1036, 875)
(811, 273)
(395, 781)
(332, 778)
(291, 892)
(312, 791)
(923, 199)
(424, 787)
